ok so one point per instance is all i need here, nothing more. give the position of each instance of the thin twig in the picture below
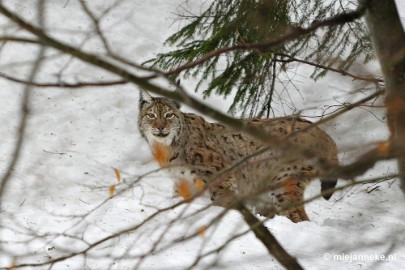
(24, 112)
(340, 71)
(96, 22)
(62, 84)
(18, 39)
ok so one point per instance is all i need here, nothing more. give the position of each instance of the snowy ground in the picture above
(58, 200)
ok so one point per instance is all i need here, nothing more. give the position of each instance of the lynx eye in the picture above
(151, 115)
(169, 115)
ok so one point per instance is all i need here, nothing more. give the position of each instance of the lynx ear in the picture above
(144, 98)
(178, 90)
(176, 104)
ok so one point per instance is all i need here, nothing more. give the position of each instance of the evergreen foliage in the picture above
(252, 73)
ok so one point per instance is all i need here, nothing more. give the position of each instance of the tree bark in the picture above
(388, 38)
(269, 241)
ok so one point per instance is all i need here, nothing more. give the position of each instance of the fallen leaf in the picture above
(117, 174)
(111, 190)
(201, 231)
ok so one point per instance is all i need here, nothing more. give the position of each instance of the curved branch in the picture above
(178, 95)
(95, 60)
(340, 71)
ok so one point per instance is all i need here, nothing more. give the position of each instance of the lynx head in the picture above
(160, 120)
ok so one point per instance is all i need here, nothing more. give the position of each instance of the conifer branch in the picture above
(289, 35)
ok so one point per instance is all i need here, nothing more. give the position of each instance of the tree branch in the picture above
(343, 110)
(128, 76)
(18, 39)
(269, 241)
(96, 22)
(388, 38)
(62, 84)
(289, 35)
(24, 113)
(340, 71)
(384, 151)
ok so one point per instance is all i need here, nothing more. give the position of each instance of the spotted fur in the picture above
(272, 182)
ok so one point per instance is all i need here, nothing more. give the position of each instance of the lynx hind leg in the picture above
(291, 199)
(287, 201)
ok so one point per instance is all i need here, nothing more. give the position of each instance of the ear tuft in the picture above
(144, 98)
(176, 104)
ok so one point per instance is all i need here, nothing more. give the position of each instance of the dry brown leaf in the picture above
(111, 190)
(201, 231)
(117, 174)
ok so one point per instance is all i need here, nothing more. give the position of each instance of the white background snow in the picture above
(57, 201)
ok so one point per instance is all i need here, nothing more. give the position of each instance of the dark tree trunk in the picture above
(388, 38)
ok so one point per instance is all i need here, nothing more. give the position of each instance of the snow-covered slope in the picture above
(58, 199)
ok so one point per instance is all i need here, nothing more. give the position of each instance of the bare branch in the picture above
(268, 240)
(63, 84)
(96, 22)
(101, 241)
(126, 75)
(24, 113)
(18, 39)
(340, 71)
(343, 110)
(384, 151)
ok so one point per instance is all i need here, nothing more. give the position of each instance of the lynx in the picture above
(271, 180)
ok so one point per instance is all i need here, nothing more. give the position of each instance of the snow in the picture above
(58, 199)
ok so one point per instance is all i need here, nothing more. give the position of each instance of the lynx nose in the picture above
(160, 125)
(161, 132)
